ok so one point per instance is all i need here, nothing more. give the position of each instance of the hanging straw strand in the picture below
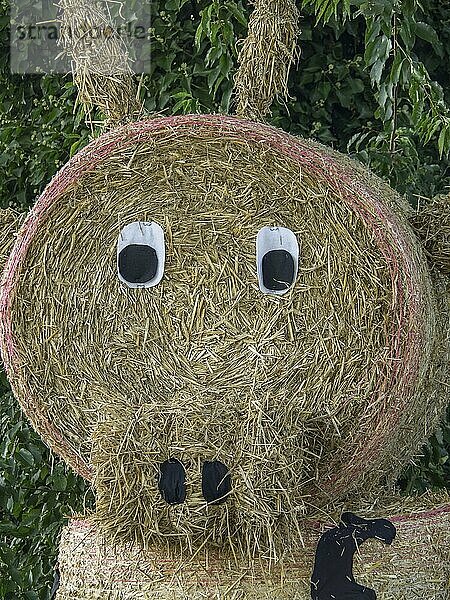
(100, 61)
(266, 57)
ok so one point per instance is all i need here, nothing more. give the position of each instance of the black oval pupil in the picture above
(278, 270)
(138, 263)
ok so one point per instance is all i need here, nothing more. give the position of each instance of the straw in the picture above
(432, 223)
(10, 221)
(265, 57)
(100, 61)
(416, 565)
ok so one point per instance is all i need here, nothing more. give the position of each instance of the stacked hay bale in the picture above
(91, 570)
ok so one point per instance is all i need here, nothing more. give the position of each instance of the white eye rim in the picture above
(275, 238)
(143, 233)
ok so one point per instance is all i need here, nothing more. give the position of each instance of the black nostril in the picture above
(216, 482)
(172, 481)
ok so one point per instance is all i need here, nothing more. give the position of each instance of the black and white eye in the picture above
(276, 259)
(141, 254)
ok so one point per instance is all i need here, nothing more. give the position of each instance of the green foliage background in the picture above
(375, 85)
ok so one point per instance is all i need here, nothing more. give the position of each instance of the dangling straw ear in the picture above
(266, 57)
(100, 61)
(432, 225)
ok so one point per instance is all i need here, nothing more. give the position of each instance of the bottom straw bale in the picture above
(417, 565)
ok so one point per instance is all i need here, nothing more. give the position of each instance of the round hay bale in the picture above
(417, 564)
(303, 397)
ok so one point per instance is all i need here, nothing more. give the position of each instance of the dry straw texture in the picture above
(266, 56)
(304, 397)
(432, 223)
(10, 221)
(100, 60)
(417, 565)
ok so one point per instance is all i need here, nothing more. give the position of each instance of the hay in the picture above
(416, 565)
(432, 223)
(305, 397)
(100, 61)
(266, 56)
(10, 221)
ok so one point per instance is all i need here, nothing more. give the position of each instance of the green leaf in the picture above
(74, 147)
(373, 30)
(172, 5)
(212, 76)
(25, 457)
(213, 54)
(427, 33)
(59, 482)
(199, 34)
(237, 13)
(226, 98)
(356, 86)
(441, 145)
(407, 33)
(327, 9)
(376, 71)
(396, 68)
(430, 128)
(16, 575)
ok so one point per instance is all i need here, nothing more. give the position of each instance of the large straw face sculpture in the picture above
(291, 401)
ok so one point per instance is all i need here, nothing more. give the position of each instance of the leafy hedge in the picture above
(37, 492)
(348, 91)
